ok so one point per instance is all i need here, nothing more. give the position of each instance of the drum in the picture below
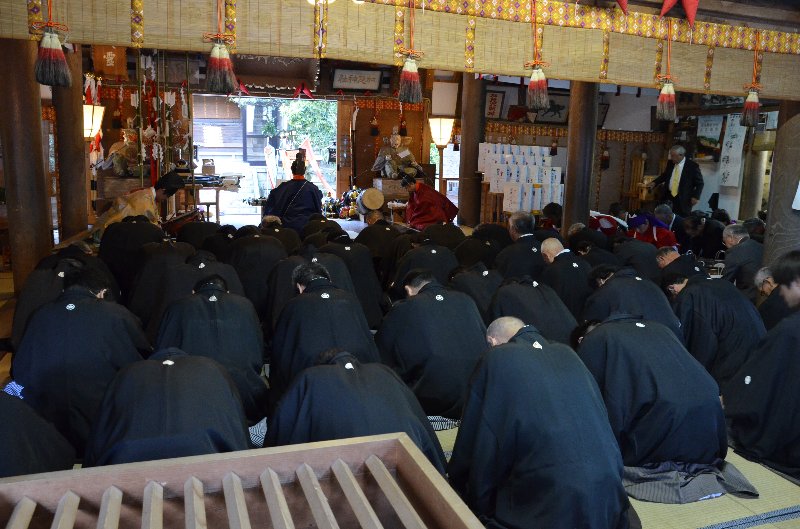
(174, 225)
(369, 199)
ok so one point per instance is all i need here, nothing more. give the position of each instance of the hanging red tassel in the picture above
(220, 78)
(690, 6)
(751, 110)
(752, 106)
(623, 4)
(666, 109)
(51, 65)
(410, 87)
(538, 98)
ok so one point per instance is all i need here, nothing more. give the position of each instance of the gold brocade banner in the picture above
(469, 45)
(399, 31)
(531, 129)
(379, 104)
(230, 20)
(137, 23)
(604, 62)
(709, 67)
(35, 15)
(574, 15)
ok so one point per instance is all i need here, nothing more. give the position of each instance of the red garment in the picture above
(427, 206)
(659, 237)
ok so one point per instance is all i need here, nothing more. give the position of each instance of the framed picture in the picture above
(356, 79)
(558, 111)
(494, 104)
(602, 112)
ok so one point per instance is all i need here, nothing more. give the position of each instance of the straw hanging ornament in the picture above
(51, 64)
(752, 106)
(537, 86)
(220, 78)
(666, 109)
(410, 86)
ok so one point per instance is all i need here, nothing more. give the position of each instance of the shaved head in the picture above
(550, 248)
(501, 330)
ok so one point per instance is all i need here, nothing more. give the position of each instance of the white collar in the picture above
(565, 250)
(524, 235)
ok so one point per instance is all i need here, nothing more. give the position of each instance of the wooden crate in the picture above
(373, 482)
(391, 189)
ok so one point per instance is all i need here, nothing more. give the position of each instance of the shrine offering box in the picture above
(382, 481)
(391, 189)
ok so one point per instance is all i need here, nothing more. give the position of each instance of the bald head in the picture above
(550, 248)
(501, 330)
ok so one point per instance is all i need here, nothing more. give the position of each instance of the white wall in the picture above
(628, 112)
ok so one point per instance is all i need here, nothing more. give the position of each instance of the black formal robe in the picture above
(535, 304)
(444, 234)
(401, 245)
(29, 444)
(774, 309)
(600, 256)
(313, 226)
(288, 237)
(225, 327)
(494, 232)
(69, 354)
(676, 227)
(690, 186)
(358, 260)
(323, 317)
(294, 201)
(195, 233)
(346, 399)
(521, 259)
(762, 407)
(662, 405)
(720, 326)
(627, 293)
(535, 448)
(741, 264)
(219, 244)
(173, 405)
(253, 257)
(119, 249)
(473, 250)
(433, 341)
(568, 276)
(480, 284)
(685, 265)
(378, 238)
(597, 238)
(641, 256)
(440, 260)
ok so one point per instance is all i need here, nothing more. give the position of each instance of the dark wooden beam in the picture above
(469, 184)
(581, 135)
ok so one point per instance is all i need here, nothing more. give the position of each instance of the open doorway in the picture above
(248, 144)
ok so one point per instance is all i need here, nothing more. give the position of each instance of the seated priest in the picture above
(567, 274)
(647, 228)
(433, 340)
(340, 398)
(532, 417)
(171, 405)
(426, 206)
(763, 407)
(320, 318)
(296, 200)
(217, 324)
(664, 410)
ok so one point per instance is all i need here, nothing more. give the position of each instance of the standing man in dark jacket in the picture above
(683, 181)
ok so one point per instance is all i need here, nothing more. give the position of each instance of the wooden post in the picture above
(25, 179)
(581, 136)
(469, 184)
(753, 183)
(68, 103)
(783, 223)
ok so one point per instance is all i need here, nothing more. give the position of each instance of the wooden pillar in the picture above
(68, 103)
(753, 183)
(581, 136)
(25, 179)
(783, 223)
(469, 183)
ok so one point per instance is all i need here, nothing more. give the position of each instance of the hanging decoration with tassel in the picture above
(537, 86)
(410, 86)
(220, 78)
(752, 106)
(666, 109)
(51, 64)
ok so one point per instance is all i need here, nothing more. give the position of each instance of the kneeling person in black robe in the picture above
(172, 405)
(341, 398)
(535, 448)
(535, 304)
(664, 410)
(762, 406)
(433, 340)
(217, 324)
(322, 317)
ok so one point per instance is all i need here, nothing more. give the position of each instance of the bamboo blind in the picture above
(441, 37)
(573, 53)
(732, 69)
(688, 65)
(780, 74)
(502, 47)
(631, 61)
(169, 24)
(367, 35)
